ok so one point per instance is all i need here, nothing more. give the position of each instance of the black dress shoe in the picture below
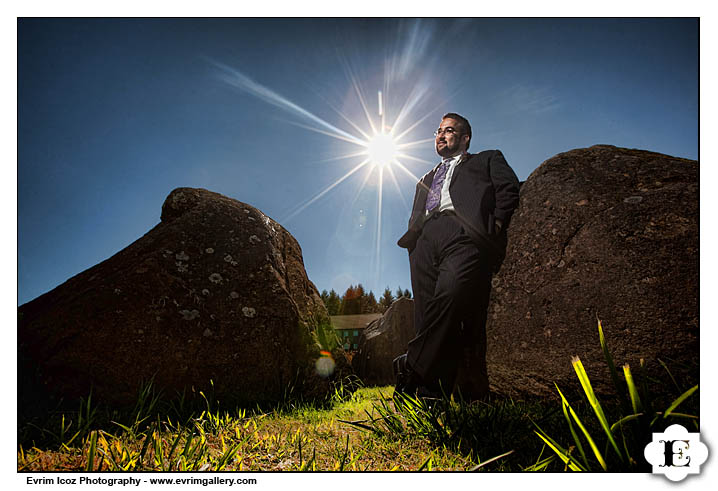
(424, 392)
(409, 383)
(407, 380)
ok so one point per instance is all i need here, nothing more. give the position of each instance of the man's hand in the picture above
(498, 225)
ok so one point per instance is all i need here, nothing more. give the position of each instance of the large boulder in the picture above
(383, 340)
(600, 232)
(214, 295)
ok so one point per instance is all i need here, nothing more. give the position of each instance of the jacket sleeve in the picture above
(408, 240)
(506, 187)
(415, 205)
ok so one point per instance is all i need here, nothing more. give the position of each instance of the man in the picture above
(456, 239)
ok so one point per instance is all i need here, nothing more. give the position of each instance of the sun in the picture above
(382, 149)
(380, 143)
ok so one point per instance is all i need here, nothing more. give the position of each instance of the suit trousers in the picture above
(451, 282)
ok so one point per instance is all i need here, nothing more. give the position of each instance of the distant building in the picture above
(350, 327)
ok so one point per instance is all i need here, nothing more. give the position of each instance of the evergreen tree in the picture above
(371, 305)
(356, 300)
(387, 299)
(361, 299)
(333, 303)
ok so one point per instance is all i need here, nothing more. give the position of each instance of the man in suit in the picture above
(456, 240)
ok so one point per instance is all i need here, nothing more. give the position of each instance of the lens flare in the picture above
(379, 141)
(324, 365)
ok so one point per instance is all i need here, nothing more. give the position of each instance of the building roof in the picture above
(360, 321)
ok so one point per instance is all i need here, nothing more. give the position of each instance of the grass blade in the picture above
(678, 401)
(426, 462)
(678, 388)
(358, 424)
(171, 459)
(632, 390)
(91, 453)
(492, 459)
(593, 400)
(159, 454)
(563, 454)
(611, 366)
(625, 419)
(566, 407)
(585, 432)
(541, 465)
(344, 457)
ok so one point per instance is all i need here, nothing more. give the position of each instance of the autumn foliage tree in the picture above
(356, 300)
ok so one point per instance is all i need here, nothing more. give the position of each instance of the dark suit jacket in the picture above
(483, 188)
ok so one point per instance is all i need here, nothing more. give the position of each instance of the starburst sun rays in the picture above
(381, 146)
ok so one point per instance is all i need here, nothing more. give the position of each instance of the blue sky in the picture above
(115, 113)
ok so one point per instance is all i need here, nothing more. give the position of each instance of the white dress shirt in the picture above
(445, 203)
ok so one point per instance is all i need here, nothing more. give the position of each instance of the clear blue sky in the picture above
(113, 114)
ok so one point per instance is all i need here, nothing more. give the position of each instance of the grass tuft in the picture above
(633, 428)
(358, 429)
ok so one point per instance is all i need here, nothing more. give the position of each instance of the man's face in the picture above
(449, 140)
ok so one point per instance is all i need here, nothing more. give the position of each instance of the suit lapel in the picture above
(457, 169)
(429, 179)
(420, 203)
(426, 185)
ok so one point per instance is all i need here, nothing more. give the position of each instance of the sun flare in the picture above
(382, 149)
(381, 141)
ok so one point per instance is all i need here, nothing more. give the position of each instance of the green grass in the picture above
(290, 437)
(617, 446)
(361, 430)
(365, 430)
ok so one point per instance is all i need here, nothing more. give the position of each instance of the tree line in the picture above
(356, 300)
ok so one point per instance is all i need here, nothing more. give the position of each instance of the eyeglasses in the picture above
(449, 130)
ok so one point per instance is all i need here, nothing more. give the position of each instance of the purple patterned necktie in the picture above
(434, 197)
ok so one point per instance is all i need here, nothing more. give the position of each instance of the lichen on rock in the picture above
(217, 305)
(571, 259)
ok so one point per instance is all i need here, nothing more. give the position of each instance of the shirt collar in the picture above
(453, 160)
